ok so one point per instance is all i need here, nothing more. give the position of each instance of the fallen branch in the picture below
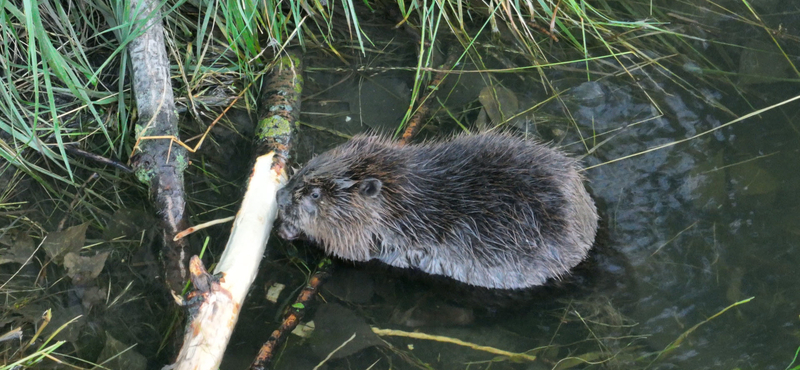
(215, 304)
(280, 111)
(158, 163)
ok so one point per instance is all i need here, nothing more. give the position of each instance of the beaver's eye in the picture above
(316, 193)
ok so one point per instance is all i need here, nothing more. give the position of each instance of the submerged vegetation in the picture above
(78, 237)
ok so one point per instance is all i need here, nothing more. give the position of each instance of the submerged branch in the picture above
(293, 316)
(423, 105)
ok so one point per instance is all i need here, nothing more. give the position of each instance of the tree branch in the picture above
(215, 305)
(158, 163)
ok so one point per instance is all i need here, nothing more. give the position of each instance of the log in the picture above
(158, 162)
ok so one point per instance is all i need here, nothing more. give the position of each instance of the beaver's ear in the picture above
(344, 183)
(370, 187)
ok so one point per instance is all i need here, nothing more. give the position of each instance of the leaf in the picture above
(128, 223)
(339, 332)
(84, 269)
(500, 103)
(117, 355)
(58, 243)
(21, 248)
(748, 178)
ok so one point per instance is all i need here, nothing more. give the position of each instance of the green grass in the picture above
(63, 85)
(34, 358)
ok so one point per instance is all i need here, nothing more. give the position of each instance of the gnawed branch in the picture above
(215, 304)
(280, 110)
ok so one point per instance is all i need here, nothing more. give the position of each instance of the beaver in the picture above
(491, 209)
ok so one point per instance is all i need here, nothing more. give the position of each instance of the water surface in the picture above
(698, 226)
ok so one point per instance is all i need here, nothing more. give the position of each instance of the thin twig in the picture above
(439, 338)
(71, 149)
(423, 103)
(293, 316)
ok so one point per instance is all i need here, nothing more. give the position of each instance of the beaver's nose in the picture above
(284, 199)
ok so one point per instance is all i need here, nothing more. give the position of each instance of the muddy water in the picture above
(692, 228)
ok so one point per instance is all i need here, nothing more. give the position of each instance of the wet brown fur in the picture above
(491, 210)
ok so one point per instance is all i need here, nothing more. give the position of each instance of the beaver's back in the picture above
(491, 210)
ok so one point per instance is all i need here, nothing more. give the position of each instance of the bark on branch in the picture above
(158, 162)
(292, 318)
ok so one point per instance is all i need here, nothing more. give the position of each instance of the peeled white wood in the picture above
(208, 334)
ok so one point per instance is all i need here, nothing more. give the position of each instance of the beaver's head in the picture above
(335, 201)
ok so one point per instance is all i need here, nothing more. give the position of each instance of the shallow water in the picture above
(699, 225)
